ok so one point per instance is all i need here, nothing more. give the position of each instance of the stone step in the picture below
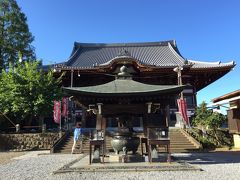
(179, 143)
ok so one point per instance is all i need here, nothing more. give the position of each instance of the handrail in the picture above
(192, 139)
(8, 119)
(58, 142)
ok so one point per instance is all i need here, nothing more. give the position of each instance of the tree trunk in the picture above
(1, 45)
(41, 120)
(29, 123)
(215, 134)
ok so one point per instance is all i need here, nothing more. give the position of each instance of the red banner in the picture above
(57, 112)
(65, 107)
(182, 106)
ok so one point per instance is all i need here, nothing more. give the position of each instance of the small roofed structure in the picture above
(123, 99)
(125, 96)
(233, 99)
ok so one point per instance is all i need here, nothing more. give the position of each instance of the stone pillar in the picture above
(167, 115)
(17, 128)
(179, 120)
(236, 140)
(44, 128)
(149, 107)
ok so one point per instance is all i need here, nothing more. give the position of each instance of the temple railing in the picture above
(59, 142)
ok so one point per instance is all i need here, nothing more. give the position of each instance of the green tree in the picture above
(201, 114)
(14, 34)
(26, 91)
(207, 119)
(214, 122)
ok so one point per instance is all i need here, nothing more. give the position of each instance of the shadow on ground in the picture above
(210, 157)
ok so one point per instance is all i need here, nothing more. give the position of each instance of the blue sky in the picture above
(207, 30)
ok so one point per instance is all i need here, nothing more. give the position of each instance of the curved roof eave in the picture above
(211, 65)
(125, 87)
(176, 53)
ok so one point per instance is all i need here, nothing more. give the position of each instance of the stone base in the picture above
(96, 156)
(115, 158)
(118, 158)
(236, 140)
(126, 158)
(96, 160)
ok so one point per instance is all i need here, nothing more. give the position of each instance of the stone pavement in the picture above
(134, 164)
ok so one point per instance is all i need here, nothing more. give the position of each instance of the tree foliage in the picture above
(26, 91)
(207, 118)
(201, 114)
(14, 34)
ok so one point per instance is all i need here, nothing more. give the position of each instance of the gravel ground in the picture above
(5, 157)
(219, 165)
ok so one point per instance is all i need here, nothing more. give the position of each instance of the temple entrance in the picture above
(133, 121)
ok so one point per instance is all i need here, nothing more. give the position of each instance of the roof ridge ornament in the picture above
(124, 52)
(123, 73)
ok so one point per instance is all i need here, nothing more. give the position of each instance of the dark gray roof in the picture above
(202, 64)
(158, 54)
(88, 55)
(125, 87)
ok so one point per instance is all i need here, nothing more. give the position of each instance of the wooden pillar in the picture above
(83, 117)
(71, 78)
(104, 123)
(195, 97)
(145, 125)
(100, 122)
(141, 121)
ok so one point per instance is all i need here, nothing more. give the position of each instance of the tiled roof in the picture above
(159, 54)
(202, 64)
(156, 53)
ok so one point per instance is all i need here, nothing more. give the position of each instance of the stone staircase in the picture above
(180, 142)
(67, 146)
